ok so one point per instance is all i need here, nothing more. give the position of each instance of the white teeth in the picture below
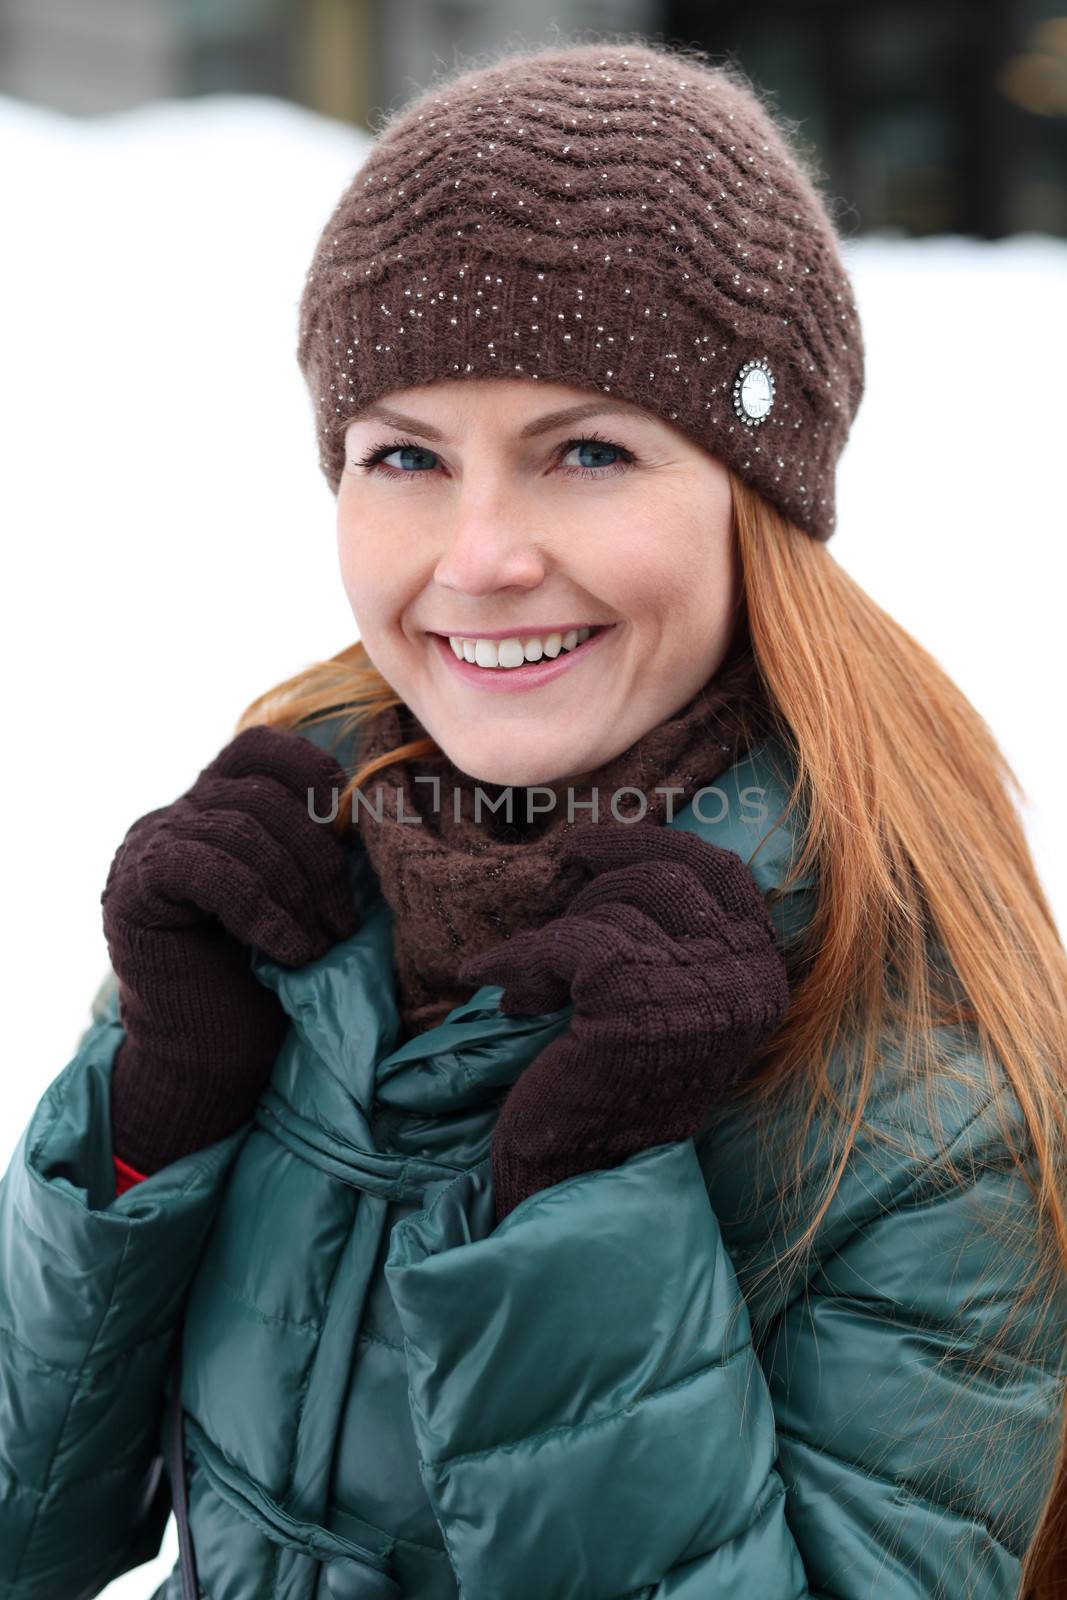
(510, 653)
(513, 652)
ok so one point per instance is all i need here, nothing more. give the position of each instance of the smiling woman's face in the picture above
(488, 515)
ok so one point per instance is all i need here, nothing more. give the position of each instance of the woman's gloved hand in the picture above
(237, 860)
(668, 956)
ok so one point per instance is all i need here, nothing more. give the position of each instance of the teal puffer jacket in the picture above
(609, 1395)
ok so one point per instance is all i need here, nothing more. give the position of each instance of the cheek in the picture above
(352, 565)
(664, 574)
(678, 585)
(371, 571)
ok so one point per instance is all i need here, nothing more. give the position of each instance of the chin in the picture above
(504, 776)
(507, 770)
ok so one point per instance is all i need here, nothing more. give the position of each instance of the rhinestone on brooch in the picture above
(754, 392)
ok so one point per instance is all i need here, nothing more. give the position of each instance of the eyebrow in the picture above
(551, 419)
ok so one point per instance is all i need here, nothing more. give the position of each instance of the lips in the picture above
(513, 649)
(531, 674)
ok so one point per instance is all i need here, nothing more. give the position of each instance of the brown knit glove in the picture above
(237, 860)
(668, 956)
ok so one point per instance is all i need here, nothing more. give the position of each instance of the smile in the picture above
(558, 654)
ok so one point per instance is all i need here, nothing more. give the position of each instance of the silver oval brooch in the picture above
(754, 392)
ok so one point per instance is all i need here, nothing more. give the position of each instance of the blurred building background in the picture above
(930, 116)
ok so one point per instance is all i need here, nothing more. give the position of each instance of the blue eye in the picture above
(375, 457)
(376, 454)
(600, 447)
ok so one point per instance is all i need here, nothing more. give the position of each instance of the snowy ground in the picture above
(170, 539)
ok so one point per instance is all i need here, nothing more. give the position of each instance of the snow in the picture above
(170, 539)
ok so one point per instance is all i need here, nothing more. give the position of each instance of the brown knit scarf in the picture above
(458, 887)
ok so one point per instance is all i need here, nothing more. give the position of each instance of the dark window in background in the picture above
(943, 117)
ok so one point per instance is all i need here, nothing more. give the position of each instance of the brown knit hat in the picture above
(625, 217)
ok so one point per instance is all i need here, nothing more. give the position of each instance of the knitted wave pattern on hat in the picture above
(626, 219)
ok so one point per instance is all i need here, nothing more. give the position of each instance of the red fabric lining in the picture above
(126, 1176)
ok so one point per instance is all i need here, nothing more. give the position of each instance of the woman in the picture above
(654, 1200)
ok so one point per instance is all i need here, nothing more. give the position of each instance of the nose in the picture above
(486, 546)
